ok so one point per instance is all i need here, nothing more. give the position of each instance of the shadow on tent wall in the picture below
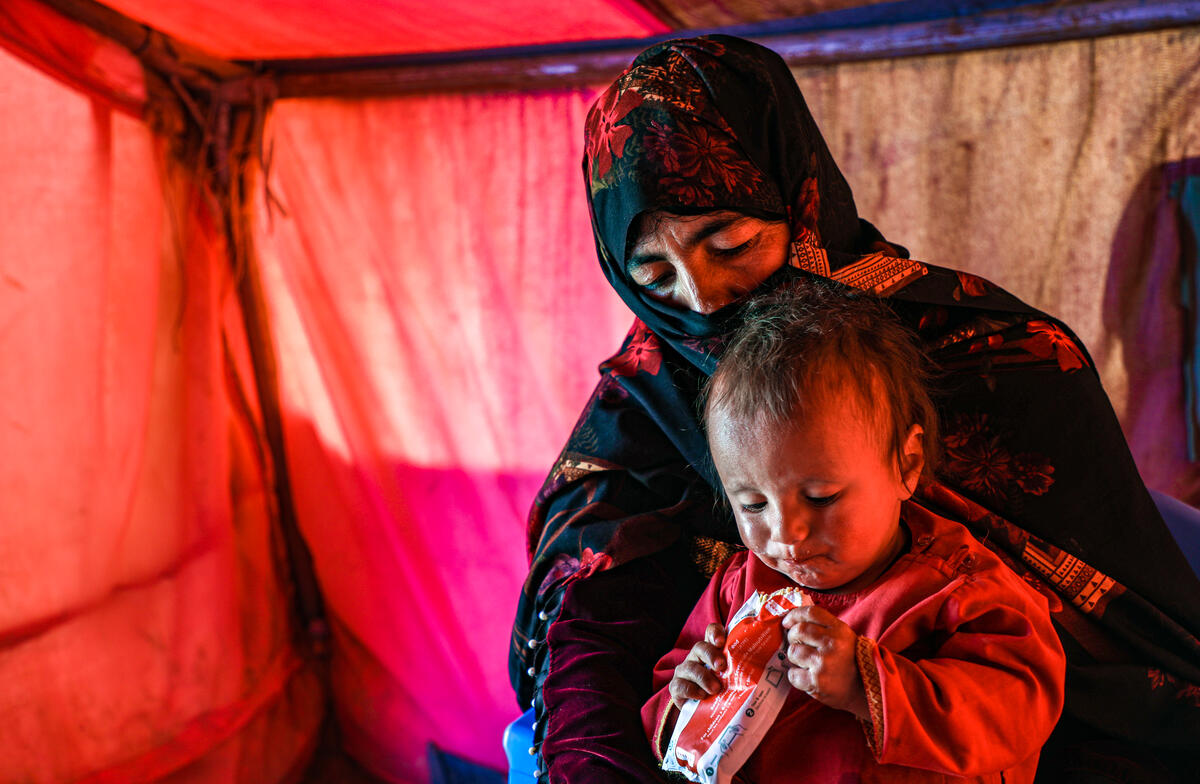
(1153, 261)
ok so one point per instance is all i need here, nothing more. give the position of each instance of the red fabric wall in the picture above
(144, 627)
(439, 316)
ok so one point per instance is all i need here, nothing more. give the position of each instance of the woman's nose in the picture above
(708, 288)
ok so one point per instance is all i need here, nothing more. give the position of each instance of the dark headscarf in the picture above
(706, 124)
(1035, 463)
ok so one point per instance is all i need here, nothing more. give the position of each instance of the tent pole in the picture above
(252, 298)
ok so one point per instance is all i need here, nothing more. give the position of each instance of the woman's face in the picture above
(704, 262)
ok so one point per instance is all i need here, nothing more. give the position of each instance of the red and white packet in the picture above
(715, 736)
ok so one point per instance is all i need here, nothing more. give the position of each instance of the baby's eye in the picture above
(754, 508)
(824, 500)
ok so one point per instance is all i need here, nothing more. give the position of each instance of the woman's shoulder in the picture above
(959, 288)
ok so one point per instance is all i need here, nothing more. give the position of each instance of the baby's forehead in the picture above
(826, 415)
(831, 390)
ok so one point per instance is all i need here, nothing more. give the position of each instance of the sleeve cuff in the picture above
(864, 652)
(662, 733)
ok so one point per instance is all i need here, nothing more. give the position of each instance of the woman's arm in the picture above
(611, 582)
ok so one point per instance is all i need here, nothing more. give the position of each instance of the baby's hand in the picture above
(694, 678)
(821, 650)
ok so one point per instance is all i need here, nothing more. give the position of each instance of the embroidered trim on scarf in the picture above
(864, 654)
(808, 255)
(1085, 587)
(708, 554)
(877, 273)
(880, 274)
(571, 466)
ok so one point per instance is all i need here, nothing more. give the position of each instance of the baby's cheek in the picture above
(752, 536)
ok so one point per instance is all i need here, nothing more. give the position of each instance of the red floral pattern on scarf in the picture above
(591, 562)
(569, 568)
(642, 354)
(700, 158)
(809, 205)
(713, 345)
(1184, 692)
(1189, 693)
(969, 285)
(606, 138)
(1048, 341)
(977, 458)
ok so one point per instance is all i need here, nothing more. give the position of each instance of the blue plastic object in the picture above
(1184, 523)
(518, 740)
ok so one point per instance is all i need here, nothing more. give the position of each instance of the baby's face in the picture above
(817, 500)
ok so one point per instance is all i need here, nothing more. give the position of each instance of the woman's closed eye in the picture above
(821, 500)
(734, 250)
(655, 277)
(754, 508)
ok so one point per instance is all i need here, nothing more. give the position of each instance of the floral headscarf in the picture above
(712, 123)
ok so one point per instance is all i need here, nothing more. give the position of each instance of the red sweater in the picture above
(962, 668)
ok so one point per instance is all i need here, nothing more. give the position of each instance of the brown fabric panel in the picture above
(1041, 168)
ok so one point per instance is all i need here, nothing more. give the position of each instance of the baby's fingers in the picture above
(693, 681)
(715, 635)
(709, 654)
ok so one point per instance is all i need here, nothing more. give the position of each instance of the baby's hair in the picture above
(812, 342)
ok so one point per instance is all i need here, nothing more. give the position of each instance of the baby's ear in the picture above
(912, 459)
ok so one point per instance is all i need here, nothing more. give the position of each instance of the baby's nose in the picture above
(792, 528)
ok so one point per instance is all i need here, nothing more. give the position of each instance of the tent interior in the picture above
(299, 301)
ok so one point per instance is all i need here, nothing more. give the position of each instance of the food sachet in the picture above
(715, 736)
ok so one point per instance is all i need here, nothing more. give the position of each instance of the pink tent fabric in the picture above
(145, 626)
(437, 316)
(414, 326)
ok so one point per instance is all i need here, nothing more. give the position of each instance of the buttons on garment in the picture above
(533, 751)
(531, 672)
(924, 540)
(533, 644)
(542, 615)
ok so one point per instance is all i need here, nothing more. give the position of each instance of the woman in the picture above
(707, 179)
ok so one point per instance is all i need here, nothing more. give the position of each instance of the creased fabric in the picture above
(145, 626)
(433, 255)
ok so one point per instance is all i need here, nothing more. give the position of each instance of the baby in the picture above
(921, 655)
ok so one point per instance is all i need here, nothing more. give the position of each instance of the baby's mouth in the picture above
(799, 563)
